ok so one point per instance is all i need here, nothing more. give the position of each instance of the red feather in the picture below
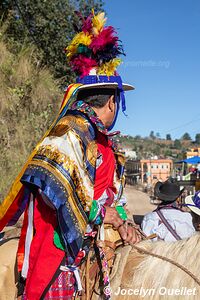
(82, 65)
(106, 36)
(87, 24)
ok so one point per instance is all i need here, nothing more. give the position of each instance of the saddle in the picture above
(90, 270)
(116, 254)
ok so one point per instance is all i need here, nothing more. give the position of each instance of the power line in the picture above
(181, 126)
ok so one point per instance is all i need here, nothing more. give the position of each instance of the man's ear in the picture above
(111, 103)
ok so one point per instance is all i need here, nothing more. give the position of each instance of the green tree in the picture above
(197, 138)
(151, 135)
(186, 136)
(168, 153)
(138, 137)
(157, 150)
(158, 135)
(177, 144)
(49, 25)
(168, 137)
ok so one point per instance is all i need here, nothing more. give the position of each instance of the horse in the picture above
(158, 270)
(148, 270)
(8, 270)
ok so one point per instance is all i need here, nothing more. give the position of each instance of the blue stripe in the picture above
(38, 177)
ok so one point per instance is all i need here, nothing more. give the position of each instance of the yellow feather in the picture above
(109, 68)
(80, 38)
(98, 22)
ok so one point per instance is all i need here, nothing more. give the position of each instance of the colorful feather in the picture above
(82, 65)
(106, 36)
(109, 68)
(80, 38)
(82, 49)
(98, 22)
(95, 47)
(108, 53)
(87, 24)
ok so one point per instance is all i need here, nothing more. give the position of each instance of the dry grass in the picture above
(29, 101)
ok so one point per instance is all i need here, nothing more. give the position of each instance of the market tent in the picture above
(192, 160)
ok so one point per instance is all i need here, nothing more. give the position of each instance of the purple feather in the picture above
(109, 52)
(87, 24)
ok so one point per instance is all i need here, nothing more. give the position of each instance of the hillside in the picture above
(29, 101)
(148, 147)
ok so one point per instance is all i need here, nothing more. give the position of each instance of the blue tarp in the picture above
(192, 160)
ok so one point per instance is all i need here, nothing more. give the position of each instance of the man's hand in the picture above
(112, 217)
(132, 235)
(127, 233)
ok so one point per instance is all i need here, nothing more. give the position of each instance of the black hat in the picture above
(167, 191)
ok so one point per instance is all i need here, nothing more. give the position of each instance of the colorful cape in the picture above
(62, 167)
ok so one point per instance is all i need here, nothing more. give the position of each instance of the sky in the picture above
(161, 40)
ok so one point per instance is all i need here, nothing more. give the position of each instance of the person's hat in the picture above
(105, 85)
(94, 55)
(167, 191)
(193, 202)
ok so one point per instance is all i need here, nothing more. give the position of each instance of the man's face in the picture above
(112, 109)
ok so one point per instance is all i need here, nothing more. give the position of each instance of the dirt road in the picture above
(138, 202)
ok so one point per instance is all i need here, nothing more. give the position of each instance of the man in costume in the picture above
(168, 221)
(72, 183)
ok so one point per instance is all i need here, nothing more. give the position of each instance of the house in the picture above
(155, 169)
(193, 152)
(131, 154)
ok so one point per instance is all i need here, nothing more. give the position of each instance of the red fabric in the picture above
(12, 209)
(44, 257)
(64, 285)
(62, 288)
(105, 172)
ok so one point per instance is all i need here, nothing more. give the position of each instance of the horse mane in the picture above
(148, 272)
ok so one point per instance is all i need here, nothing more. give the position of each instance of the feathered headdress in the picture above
(95, 49)
(94, 54)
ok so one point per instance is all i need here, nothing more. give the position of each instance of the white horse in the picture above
(136, 274)
(144, 276)
(8, 274)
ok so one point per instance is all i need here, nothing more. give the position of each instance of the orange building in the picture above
(155, 169)
(193, 152)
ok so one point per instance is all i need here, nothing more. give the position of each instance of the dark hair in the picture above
(164, 203)
(95, 97)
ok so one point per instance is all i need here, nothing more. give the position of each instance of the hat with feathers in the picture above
(94, 53)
